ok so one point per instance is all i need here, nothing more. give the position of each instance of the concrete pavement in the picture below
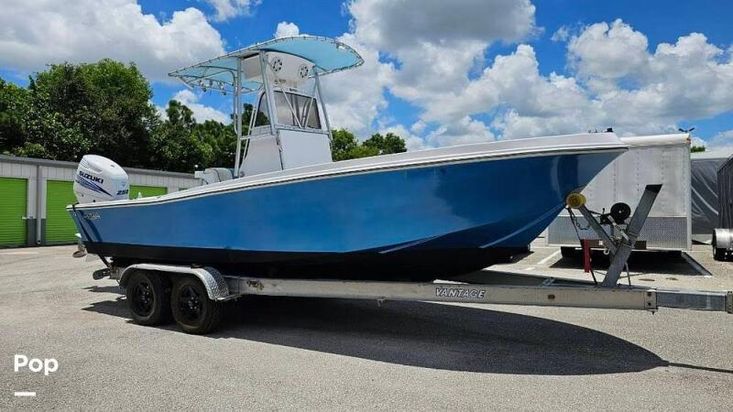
(321, 354)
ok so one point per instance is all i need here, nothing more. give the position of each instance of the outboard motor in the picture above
(99, 179)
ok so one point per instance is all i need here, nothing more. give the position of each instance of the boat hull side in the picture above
(492, 206)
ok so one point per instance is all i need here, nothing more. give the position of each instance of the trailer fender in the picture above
(212, 279)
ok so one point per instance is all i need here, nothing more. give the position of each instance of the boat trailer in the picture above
(195, 295)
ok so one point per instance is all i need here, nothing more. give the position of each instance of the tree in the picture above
(387, 144)
(344, 145)
(696, 149)
(102, 107)
(221, 139)
(13, 109)
(175, 145)
(363, 151)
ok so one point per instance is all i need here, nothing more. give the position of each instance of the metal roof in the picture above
(72, 165)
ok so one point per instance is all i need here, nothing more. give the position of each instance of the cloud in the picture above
(721, 141)
(727, 134)
(687, 80)
(608, 52)
(418, 127)
(613, 81)
(561, 34)
(400, 25)
(228, 9)
(201, 112)
(437, 42)
(286, 29)
(463, 131)
(36, 33)
(431, 55)
(531, 103)
(355, 98)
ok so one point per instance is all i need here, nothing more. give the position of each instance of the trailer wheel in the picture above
(192, 309)
(718, 252)
(148, 298)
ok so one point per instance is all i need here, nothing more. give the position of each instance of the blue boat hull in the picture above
(404, 223)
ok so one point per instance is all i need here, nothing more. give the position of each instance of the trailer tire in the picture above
(719, 252)
(192, 309)
(148, 297)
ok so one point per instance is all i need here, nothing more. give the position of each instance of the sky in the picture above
(436, 72)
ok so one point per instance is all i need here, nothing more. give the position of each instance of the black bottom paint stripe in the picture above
(397, 266)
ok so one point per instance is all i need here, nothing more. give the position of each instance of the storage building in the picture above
(34, 194)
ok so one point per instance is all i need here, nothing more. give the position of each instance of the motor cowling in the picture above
(99, 179)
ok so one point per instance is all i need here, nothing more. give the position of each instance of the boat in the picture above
(287, 210)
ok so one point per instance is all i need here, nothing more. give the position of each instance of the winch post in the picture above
(607, 241)
(626, 244)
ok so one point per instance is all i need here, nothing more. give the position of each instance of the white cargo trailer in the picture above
(659, 159)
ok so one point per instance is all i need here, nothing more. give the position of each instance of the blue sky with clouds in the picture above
(436, 72)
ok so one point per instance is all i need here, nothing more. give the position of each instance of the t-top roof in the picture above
(326, 54)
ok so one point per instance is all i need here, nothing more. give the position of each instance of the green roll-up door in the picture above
(59, 226)
(13, 198)
(146, 191)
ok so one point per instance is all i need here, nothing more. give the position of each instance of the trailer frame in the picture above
(548, 291)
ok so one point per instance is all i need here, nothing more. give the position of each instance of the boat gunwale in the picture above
(233, 185)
